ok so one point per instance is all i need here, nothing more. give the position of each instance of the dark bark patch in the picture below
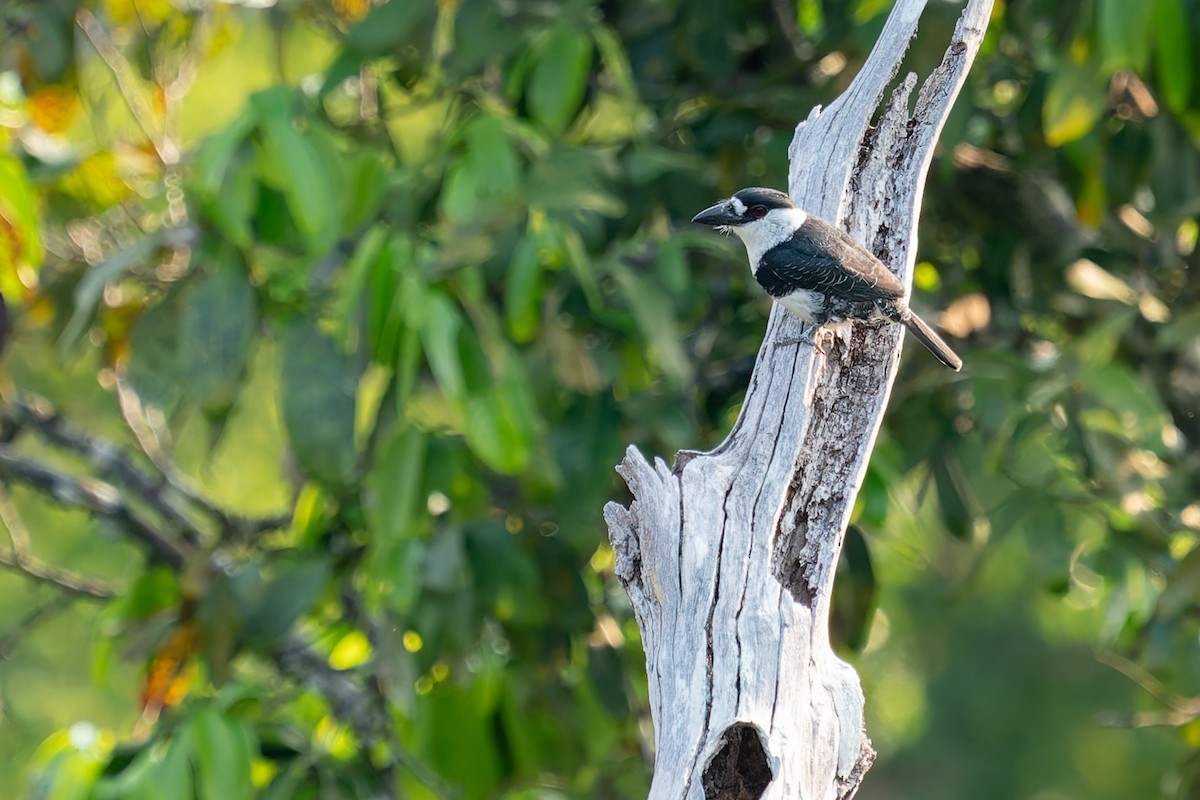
(740, 769)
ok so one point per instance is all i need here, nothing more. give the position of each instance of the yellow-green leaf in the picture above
(351, 650)
(1073, 105)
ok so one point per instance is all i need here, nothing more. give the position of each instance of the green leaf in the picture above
(523, 291)
(231, 209)
(1132, 399)
(91, 288)
(366, 182)
(1183, 586)
(395, 303)
(652, 312)
(1073, 105)
(954, 496)
(1125, 28)
(673, 266)
(499, 408)
(164, 773)
(559, 79)
(172, 776)
(386, 26)
(581, 267)
(854, 593)
(439, 334)
(216, 155)
(153, 370)
(293, 164)
(269, 607)
(489, 172)
(219, 318)
(358, 271)
(351, 650)
(318, 387)
(394, 485)
(223, 181)
(1173, 61)
(221, 749)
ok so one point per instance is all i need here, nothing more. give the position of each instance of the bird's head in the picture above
(758, 216)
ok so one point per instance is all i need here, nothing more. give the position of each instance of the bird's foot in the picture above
(823, 340)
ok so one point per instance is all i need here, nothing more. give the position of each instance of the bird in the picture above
(814, 269)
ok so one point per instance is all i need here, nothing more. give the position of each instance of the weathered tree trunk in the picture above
(729, 556)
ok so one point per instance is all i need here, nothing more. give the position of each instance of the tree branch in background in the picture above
(97, 497)
(167, 151)
(59, 578)
(150, 437)
(355, 707)
(21, 561)
(1183, 709)
(355, 698)
(106, 458)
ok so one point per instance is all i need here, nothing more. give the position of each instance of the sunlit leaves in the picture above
(351, 650)
(1073, 105)
(482, 207)
(68, 762)
(20, 238)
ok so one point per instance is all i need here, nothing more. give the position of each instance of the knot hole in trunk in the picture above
(739, 770)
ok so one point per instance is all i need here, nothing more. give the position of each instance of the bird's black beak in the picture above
(715, 216)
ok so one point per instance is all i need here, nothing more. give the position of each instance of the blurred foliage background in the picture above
(330, 318)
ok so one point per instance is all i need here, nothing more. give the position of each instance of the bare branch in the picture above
(106, 458)
(59, 578)
(11, 518)
(1186, 708)
(151, 440)
(21, 561)
(127, 83)
(100, 498)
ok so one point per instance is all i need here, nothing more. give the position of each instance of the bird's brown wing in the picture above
(824, 259)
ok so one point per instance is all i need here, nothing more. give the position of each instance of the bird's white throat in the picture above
(761, 235)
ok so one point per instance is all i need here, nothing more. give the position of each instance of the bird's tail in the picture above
(925, 335)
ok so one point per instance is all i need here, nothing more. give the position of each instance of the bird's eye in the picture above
(758, 212)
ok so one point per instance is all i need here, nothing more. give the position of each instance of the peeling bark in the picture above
(729, 557)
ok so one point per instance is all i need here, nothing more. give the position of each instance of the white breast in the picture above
(761, 235)
(804, 304)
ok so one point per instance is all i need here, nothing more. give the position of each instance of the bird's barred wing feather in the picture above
(822, 258)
